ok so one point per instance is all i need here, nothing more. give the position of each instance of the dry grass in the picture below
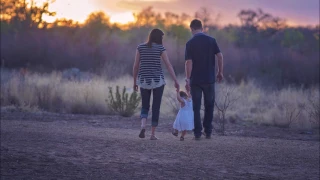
(285, 108)
(50, 92)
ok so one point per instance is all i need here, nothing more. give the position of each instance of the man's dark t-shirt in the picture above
(201, 49)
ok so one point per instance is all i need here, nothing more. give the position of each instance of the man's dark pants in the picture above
(209, 98)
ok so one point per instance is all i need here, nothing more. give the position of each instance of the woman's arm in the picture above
(170, 68)
(136, 69)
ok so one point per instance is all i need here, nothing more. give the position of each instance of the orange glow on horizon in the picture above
(122, 18)
(79, 10)
(70, 9)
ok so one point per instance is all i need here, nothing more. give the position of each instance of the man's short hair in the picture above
(196, 24)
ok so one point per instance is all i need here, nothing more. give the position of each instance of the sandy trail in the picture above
(74, 150)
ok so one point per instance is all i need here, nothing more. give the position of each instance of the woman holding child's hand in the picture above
(148, 74)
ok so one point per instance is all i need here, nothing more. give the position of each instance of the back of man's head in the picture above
(196, 24)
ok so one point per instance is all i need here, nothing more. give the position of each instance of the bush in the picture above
(313, 110)
(226, 97)
(122, 104)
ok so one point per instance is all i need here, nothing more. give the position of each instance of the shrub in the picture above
(226, 98)
(121, 103)
(290, 114)
(313, 110)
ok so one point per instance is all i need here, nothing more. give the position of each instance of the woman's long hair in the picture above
(155, 36)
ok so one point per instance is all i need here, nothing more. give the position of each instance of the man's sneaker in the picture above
(207, 136)
(197, 138)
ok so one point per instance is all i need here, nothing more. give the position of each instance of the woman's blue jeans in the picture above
(145, 97)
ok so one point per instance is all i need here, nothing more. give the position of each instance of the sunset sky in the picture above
(302, 12)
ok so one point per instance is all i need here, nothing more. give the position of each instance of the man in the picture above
(200, 55)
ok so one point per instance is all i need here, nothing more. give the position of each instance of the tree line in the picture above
(263, 47)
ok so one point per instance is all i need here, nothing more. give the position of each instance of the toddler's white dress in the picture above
(184, 119)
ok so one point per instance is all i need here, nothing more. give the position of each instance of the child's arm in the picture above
(179, 98)
(189, 94)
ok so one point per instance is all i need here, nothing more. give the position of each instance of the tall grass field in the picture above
(288, 107)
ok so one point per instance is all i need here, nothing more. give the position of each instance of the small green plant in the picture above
(121, 103)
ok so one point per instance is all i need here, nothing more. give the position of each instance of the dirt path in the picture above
(74, 150)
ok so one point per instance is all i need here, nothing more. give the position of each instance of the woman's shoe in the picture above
(181, 138)
(142, 133)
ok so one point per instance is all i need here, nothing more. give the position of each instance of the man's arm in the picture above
(219, 55)
(188, 65)
(188, 68)
(220, 66)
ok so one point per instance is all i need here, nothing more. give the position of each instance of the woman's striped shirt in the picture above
(150, 72)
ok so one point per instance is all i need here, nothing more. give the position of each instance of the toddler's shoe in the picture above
(175, 133)
(153, 137)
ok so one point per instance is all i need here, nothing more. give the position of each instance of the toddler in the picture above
(184, 120)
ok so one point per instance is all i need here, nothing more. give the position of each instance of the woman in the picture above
(148, 74)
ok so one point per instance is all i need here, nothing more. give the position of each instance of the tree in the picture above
(148, 18)
(257, 25)
(24, 15)
(204, 15)
(184, 19)
(292, 39)
(171, 18)
(97, 22)
(63, 23)
(253, 20)
(95, 31)
(176, 28)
